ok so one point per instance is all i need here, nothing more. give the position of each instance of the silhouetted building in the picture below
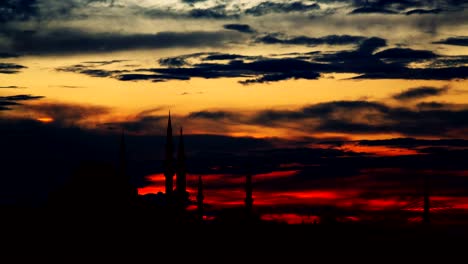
(123, 177)
(97, 186)
(248, 195)
(169, 162)
(178, 197)
(200, 198)
(427, 208)
(93, 186)
(181, 173)
(122, 157)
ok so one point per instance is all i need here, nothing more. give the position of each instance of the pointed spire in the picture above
(169, 166)
(200, 198)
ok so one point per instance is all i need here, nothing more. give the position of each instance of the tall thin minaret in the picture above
(427, 206)
(181, 185)
(200, 198)
(169, 163)
(248, 194)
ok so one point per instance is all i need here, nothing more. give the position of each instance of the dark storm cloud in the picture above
(8, 103)
(145, 124)
(457, 41)
(17, 10)
(372, 9)
(75, 41)
(371, 44)
(216, 12)
(274, 7)
(21, 97)
(213, 115)
(368, 118)
(268, 70)
(10, 68)
(431, 105)
(447, 73)
(88, 70)
(402, 53)
(449, 61)
(4, 55)
(363, 60)
(222, 56)
(4, 105)
(322, 110)
(13, 100)
(304, 40)
(408, 7)
(103, 63)
(173, 62)
(424, 11)
(400, 5)
(153, 77)
(363, 53)
(10, 87)
(184, 60)
(420, 92)
(244, 28)
(413, 142)
(307, 75)
(188, 59)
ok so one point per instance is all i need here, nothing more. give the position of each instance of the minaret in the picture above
(427, 207)
(181, 185)
(248, 195)
(200, 198)
(169, 163)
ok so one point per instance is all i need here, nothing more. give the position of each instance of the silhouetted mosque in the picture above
(97, 186)
(102, 187)
(179, 197)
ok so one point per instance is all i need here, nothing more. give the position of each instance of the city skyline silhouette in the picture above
(287, 123)
(95, 184)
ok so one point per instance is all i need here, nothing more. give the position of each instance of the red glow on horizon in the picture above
(219, 195)
(292, 219)
(45, 119)
(157, 184)
(382, 204)
(275, 174)
(378, 150)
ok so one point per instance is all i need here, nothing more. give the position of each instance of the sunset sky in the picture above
(313, 82)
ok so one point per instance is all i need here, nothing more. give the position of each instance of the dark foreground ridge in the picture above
(125, 233)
